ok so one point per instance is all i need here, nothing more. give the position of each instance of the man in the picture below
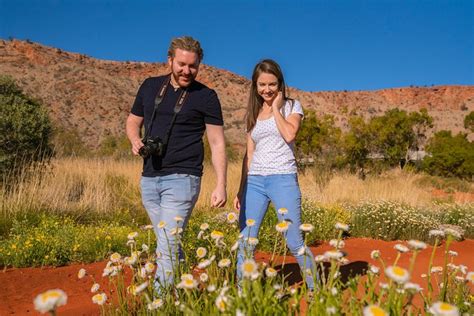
(171, 181)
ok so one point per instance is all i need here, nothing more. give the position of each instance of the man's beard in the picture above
(176, 79)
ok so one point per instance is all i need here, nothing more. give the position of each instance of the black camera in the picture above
(152, 146)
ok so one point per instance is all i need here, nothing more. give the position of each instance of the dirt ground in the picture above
(20, 286)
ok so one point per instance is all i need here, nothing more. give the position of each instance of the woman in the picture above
(269, 170)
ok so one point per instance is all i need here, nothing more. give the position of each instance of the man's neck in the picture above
(174, 83)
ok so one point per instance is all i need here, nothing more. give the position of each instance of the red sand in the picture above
(20, 286)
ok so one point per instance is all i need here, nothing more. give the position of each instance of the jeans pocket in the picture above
(185, 187)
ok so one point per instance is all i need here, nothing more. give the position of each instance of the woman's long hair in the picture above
(255, 100)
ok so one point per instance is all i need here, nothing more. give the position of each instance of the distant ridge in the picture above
(94, 96)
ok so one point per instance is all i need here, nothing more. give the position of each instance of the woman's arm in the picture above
(289, 126)
(245, 168)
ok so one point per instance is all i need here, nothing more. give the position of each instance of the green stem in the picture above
(430, 264)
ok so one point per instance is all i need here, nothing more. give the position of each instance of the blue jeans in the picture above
(284, 192)
(164, 198)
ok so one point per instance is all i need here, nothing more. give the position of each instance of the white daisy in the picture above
(155, 304)
(416, 244)
(149, 267)
(216, 234)
(453, 233)
(445, 309)
(470, 277)
(204, 264)
(401, 248)
(95, 287)
(282, 211)
(270, 272)
(252, 241)
(201, 252)
(224, 263)
(397, 274)
(81, 273)
(375, 254)
(99, 299)
(333, 254)
(222, 303)
(232, 217)
(203, 277)
(306, 228)
(115, 257)
(412, 287)
(374, 310)
(282, 226)
(50, 300)
(338, 244)
(249, 268)
(187, 282)
(341, 226)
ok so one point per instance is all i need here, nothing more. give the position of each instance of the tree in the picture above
(469, 121)
(396, 132)
(357, 144)
(320, 139)
(450, 156)
(24, 130)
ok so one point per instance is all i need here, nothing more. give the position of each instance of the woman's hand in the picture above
(237, 203)
(278, 101)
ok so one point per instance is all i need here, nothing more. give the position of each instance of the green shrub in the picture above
(68, 142)
(450, 156)
(323, 218)
(24, 131)
(392, 221)
(446, 184)
(56, 241)
(118, 147)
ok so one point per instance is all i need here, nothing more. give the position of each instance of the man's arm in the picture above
(133, 126)
(215, 136)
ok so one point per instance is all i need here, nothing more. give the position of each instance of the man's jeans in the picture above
(284, 192)
(165, 198)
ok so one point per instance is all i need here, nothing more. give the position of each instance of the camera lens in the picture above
(144, 152)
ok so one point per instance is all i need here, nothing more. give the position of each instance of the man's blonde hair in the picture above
(185, 43)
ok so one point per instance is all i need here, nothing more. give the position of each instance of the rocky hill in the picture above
(94, 96)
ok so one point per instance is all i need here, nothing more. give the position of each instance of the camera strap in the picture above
(177, 108)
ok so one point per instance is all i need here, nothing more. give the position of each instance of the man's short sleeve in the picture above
(137, 108)
(213, 113)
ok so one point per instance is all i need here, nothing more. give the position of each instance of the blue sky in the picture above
(321, 45)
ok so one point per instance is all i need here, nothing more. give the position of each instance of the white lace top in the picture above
(272, 154)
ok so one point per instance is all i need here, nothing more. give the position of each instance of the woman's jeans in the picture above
(284, 192)
(165, 198)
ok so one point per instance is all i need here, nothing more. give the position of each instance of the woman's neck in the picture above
(267, 106)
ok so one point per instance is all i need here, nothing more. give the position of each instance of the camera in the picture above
(152, 146)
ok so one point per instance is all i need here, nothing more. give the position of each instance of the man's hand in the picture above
(218, 197)
(215, 136)
(136, 145)
(134, 123)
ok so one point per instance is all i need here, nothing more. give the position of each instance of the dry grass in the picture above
(395, 186)
(78, 184)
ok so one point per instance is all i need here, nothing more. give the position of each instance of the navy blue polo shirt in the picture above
(185, 150)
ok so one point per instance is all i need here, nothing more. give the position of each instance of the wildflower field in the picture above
(425, 265)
